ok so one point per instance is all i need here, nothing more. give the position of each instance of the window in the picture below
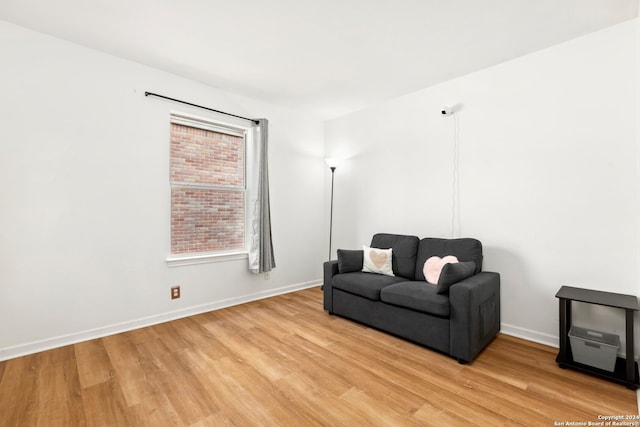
(208, 190)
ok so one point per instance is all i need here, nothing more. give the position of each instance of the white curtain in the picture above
(261, 259)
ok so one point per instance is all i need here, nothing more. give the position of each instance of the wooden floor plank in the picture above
(215, 420)
(180, 382)
(58, 389)
(156, 411)
(105, 405)
(94, 366)
(130, 368)
(18, 392)
(284, 361)
(232, 396)
(330, 409)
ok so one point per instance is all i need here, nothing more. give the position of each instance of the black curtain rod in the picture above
(200, 106)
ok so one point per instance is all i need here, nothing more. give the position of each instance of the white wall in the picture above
(84, 196)
(638, 121)
(548, 173)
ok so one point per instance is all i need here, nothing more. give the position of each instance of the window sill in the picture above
(192, 259)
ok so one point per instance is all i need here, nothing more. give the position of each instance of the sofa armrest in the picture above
(330, 270)
(475, 314)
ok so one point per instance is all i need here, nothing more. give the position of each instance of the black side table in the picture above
(626, 370)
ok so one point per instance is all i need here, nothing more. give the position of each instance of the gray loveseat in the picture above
(460, 322)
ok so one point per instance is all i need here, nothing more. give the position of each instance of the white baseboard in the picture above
(542, 338)
(62, 340)
(530, 335)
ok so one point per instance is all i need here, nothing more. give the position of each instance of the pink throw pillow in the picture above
(433, 267)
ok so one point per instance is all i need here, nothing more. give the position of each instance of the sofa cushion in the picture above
(453, 273)
(349, 260)
(418, 296)
(433, 267)
(465, 249)
(377, 260)
(405, 250)
(366, 285)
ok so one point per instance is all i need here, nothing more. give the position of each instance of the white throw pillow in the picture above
(377, 261)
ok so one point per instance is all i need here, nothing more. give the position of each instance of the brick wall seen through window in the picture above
(207, 175)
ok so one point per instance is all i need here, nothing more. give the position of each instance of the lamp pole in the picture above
(333, 170)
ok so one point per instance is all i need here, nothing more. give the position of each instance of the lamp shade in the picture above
(332, 162)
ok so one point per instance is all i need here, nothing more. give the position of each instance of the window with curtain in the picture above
(208, 187)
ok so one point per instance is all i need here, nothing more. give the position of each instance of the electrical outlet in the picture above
(175, 292)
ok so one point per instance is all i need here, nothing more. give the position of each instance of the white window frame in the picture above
(234, 129)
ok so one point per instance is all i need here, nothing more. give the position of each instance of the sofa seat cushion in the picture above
(418, 296)
(366, 285)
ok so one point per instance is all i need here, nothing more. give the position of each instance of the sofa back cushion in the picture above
(404, 252)
(465, 249)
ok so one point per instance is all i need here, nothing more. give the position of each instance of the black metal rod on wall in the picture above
(200, 106)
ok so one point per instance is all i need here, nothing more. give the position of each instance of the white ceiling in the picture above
(328, 56)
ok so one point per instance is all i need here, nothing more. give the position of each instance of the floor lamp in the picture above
(332, 163)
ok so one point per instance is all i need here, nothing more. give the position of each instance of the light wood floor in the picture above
(284, 361)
